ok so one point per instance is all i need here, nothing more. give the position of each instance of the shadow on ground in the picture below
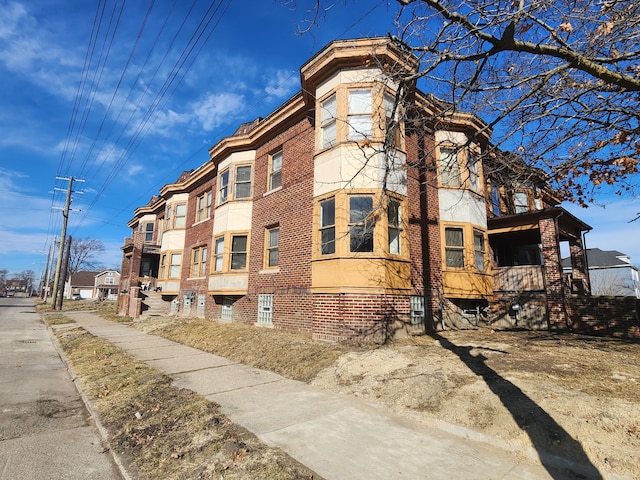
(550, 440)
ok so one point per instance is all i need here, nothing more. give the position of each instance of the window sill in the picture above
(200, 221)
(268, 271)
(272, 191)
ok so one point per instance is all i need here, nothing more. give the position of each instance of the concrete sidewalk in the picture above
(339, 438)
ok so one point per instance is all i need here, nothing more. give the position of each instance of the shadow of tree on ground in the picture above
(556, 449)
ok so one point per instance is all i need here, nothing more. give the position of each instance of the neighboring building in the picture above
(106, 285)
(611, 273)
(343, 216)
(80, 284)
(93, 285)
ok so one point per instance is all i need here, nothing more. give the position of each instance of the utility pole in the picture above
(63, 236)
(47, 277)
(65, 270)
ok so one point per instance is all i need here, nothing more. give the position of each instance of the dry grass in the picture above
(106, 309)
(290, 354)
(162, 431)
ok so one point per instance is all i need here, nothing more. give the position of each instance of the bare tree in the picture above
(82, 254)
(557, 81)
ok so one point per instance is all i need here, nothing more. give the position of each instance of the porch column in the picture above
(552, 273)
(579, 268)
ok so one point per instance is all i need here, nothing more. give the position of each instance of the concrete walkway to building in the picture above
(339, 438)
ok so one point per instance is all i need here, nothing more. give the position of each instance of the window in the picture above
(449, 168)
(392, 128)
(495, 201)
(474, 176)
(394, 219)
(218, 254)
(417, 312)
(328, 226)
(180, 215)
(167, 218)
(265, 309)
(273, 237)
(238, 252)
(148, 234)
(521, 202)
(109, 280)
(243, 182)
(360, 225)
(275, 171)
(360, 124)
(203, 207)
(328, 125)
(199, 262)
(478, 250)
(174, 267)
(163, 266)
(454, 247)
(223, 189)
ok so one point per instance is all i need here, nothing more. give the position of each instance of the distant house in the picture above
(82, 284)
(106, 285)
(611, 273)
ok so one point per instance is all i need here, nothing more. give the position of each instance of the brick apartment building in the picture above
(345, 213)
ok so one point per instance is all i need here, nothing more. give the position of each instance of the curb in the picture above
(104, 433)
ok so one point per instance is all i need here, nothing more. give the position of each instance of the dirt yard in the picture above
(570, 396)
(535, 393)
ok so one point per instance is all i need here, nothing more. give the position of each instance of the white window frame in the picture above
(329, 123)
(360, 110)
(275, 171)
(238, 183)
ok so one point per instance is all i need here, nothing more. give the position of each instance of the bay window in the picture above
(361, 225)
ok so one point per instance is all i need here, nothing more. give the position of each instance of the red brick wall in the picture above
(611, 316)
(552, 273)
(197, 235)
(424, 228)
(367, 317)
(291, 208)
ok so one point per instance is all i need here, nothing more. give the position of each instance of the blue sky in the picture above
(129, 105)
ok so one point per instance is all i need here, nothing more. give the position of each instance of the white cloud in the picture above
(282, 83)
(216, 108)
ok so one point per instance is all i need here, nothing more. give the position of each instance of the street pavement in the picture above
(339, 438)
(45, 430)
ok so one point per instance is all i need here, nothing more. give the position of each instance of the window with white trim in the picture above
(180, 215)
(359, 117)
(168, 218)
(521, 201)
(328, 125)
(174, 266)
(148, 232)
(223, 187)
(218, 254)
(243, 182)
(449, 168)
(275, 171)
(272, 250)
